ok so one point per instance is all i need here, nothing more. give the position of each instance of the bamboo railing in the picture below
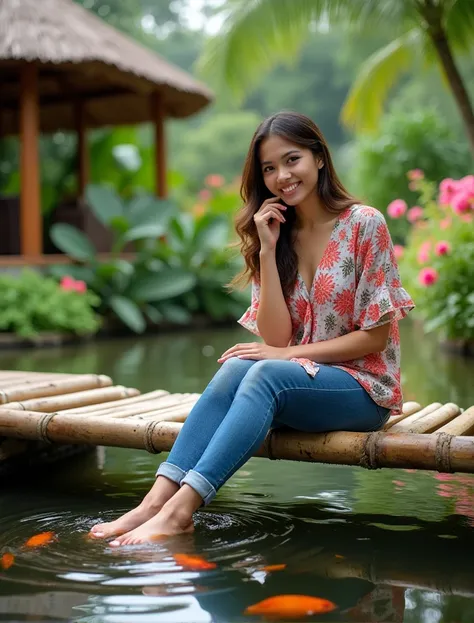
(89, 409)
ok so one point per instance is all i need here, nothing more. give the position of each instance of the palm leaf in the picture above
(365, 103)
(459, 24)
(255, 36)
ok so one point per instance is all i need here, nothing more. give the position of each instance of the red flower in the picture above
(396, 283)
(331, 255)
(374, 312)
(375, 364)
(344, 304)
(367, 254)
(342, 235)
(379, 277)
(383, 237)
(354, 238)
(323, 288)
(301, 305)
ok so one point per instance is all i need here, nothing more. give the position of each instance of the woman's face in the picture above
(289, 170)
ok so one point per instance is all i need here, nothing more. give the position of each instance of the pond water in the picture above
(384, 546)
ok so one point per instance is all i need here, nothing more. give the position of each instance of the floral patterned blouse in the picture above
(356, 286)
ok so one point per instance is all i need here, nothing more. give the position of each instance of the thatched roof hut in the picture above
(80, 56)
(61, 67)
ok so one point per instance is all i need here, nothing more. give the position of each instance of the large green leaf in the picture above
(162, 286)
(72, 241)
(105, 203)
(128, 312)
(146, 209)
(212, 232)
(365, 103)
(141, 232)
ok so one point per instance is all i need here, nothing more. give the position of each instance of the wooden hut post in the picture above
(31, 225)
(158, 116)
(82, 148)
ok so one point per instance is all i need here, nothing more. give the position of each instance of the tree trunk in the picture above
(437, 35)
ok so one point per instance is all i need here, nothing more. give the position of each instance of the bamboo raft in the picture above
(88, 409)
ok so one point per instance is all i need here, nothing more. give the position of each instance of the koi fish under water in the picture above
(193, 563)
(6, 561)
(290, 606)
(38, 540)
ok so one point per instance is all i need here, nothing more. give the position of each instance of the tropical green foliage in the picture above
(257, 35)
(420, 139)
(179, 266)
(31, 304)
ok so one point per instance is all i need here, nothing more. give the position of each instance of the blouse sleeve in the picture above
(249, 319)
(380, 297)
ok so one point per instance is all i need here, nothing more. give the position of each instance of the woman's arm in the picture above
(273, 316)
(354, 345)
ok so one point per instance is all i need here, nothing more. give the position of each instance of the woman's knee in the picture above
(230, 375)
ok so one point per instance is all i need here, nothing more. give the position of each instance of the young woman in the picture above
(326, 301)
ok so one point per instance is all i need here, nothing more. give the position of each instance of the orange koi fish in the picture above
(193, 563)
(270, 568)
(6, 561)
(290, 607)
(38, 540)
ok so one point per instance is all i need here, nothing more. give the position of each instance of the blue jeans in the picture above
(245, 399)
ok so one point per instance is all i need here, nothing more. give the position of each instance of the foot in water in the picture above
(162, 491)
(158, 526)
(176, 517)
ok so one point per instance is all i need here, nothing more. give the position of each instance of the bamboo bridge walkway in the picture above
(88, 409)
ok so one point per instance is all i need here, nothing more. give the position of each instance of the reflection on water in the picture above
(385, 546)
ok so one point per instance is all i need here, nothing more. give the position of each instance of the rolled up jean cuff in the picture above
(200, 484)
(171, 471)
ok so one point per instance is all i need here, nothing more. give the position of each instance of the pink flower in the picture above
(415, 174)
(447, 188)
(428, 276)
(445, 223)
(442, 248)
(462, 201)
(80, 286)
(214, 180)
(67, 283)
(423, 256)
(205, 194)
(396, 208)
(413, 185)
(414, 214)
(398, 250)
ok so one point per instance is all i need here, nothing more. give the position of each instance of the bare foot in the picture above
(162, 491)
(160, 525)
(123, 524)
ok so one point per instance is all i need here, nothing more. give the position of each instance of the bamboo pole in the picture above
(405, 424)
(462, 425)
(75, 399)
(409, 408)
(112, 406)
(41, 389)
(372, 450)
(433, 421)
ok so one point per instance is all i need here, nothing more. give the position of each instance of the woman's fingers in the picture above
(270, 212)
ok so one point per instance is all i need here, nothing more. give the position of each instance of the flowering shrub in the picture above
(437, 263)
(31, 304)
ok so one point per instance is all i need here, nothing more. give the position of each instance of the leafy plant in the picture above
(420, 139)
(179, 267)
(437, 265)
(32, 303)
(198, 245)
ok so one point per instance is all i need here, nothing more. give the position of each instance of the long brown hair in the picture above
(300, 130)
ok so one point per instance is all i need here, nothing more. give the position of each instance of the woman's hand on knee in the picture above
(256, 351)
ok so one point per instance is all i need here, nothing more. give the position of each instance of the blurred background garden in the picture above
(144, 209)
(124, 126)
(389, 83)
